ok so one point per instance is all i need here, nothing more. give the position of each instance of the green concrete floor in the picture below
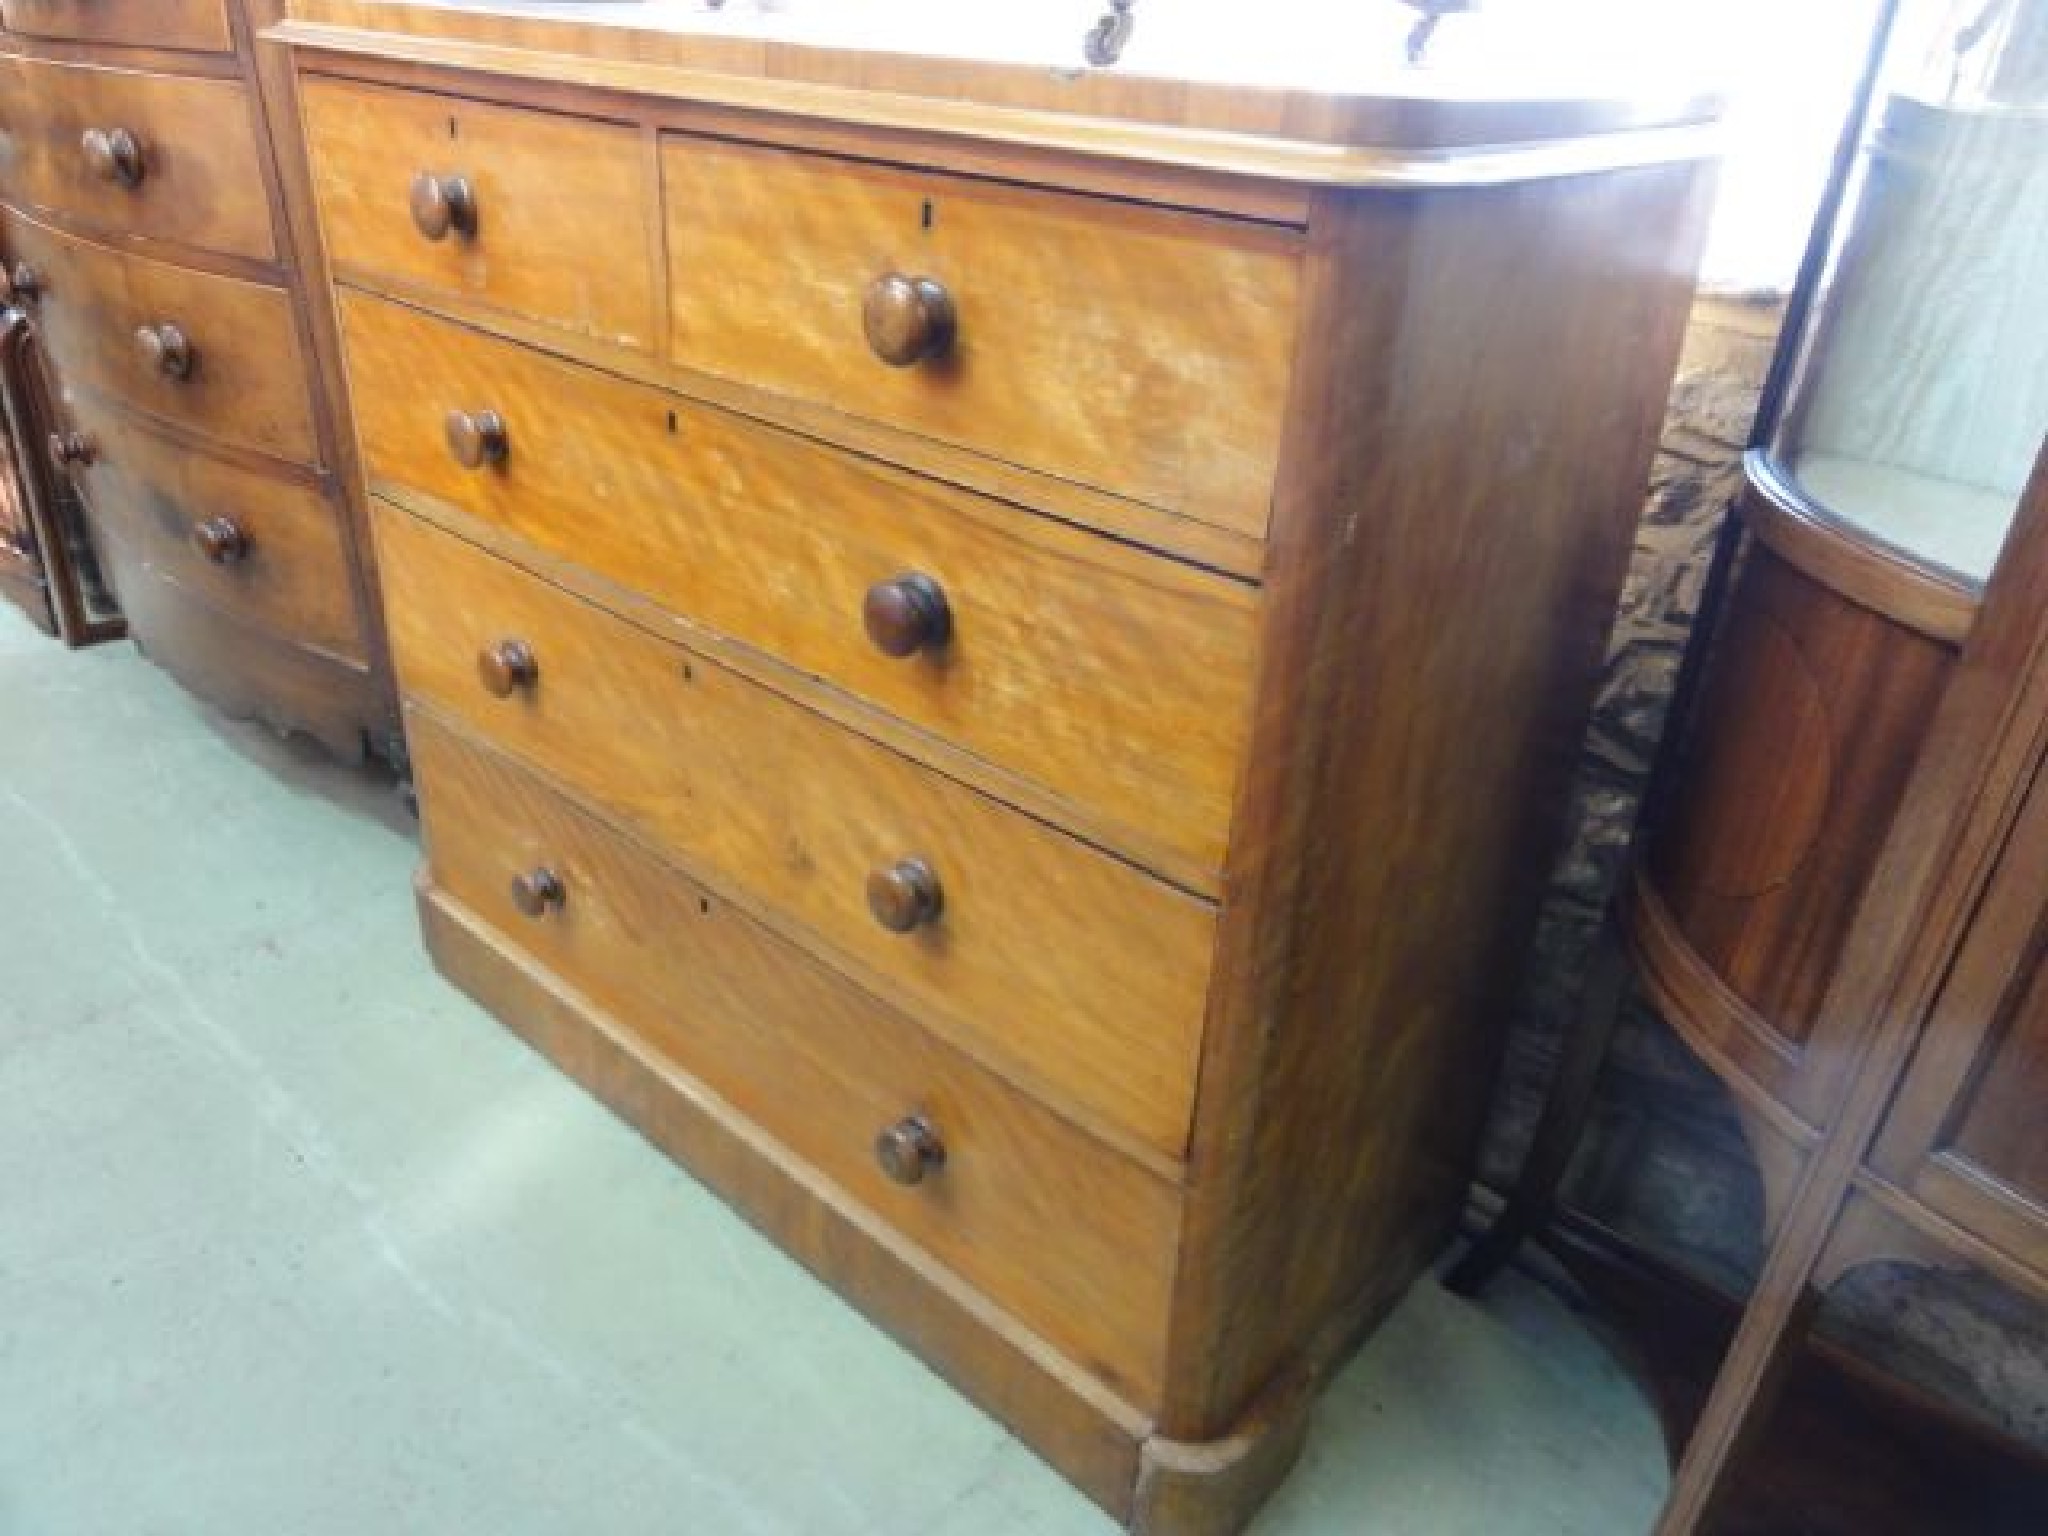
(294, 1240)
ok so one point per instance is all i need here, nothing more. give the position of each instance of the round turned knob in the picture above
(20, 284)
(905, 896)
(537, 892)
(70, 448)
(506, 667)
(908, 319)
(910, 1149)
(443, 205)
(113, 154)
(220, 539)
(476, 439)
(166, 350)
(907, 614)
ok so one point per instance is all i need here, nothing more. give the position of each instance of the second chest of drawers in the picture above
(149, 229)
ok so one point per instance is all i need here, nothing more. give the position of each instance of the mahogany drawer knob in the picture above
(907, 614)
(113, 154)
(20, 284)
(507, 666)
(220, 539)
(910, 1149)
(537, 892)
(905, 896)
(443, 205)
(908, 319)
(71, 449)
(477, 438)
(167, 350)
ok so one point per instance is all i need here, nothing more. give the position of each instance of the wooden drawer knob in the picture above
(908, 319)
(166, 349)
(905, 896)
(907, 614)
(71, 449)
(221, 540)
(443, 205)
(910, 1149)
(477, 439)
(20, 284)
(506, 667)
(537, 892)
(113, 154)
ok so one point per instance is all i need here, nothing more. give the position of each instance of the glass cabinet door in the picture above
(1920, 396)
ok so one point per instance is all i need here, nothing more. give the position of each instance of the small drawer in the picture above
(196, 26)
(164, 157)
(543, 216)
(266, 548)
(1117, 679)
(1057, 1229)
(1140, 350)
(1035, 951)
(217, 355)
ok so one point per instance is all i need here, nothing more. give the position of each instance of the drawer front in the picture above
(245, 380)
(562, 229)
(194, 178)
(819, 1064)
(200, 26)
(1117, 679)
(1061, 963)
(1142, 351)
(268, 549)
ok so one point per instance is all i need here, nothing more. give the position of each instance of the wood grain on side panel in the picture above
(1450, 538)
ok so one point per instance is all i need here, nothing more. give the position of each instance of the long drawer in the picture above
(543, 216)
(165, 157)
(115, 323)
(1071, 1238)
(1140, 350)
(267, 548)
(1117, 679)
(1062, 964)
(200, 26)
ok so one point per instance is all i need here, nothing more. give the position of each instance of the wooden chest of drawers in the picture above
(151, 221)
(1003, 692)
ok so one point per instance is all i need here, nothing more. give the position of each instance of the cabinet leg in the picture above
(1768, 1339)
(1562, 1124)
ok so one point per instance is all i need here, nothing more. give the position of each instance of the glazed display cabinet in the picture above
(48, 565)
(1839, 894)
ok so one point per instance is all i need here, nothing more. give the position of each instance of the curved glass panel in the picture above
(1921, 396)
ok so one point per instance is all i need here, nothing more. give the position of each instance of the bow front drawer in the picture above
(1058, 961)
(541, 216)
(216, 355)
(199, 26)
(268, 548)
(1119, 680)
(1050, 1224)
(1143, 351)
(162, 157)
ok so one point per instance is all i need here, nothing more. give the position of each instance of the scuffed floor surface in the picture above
(295, 1241)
